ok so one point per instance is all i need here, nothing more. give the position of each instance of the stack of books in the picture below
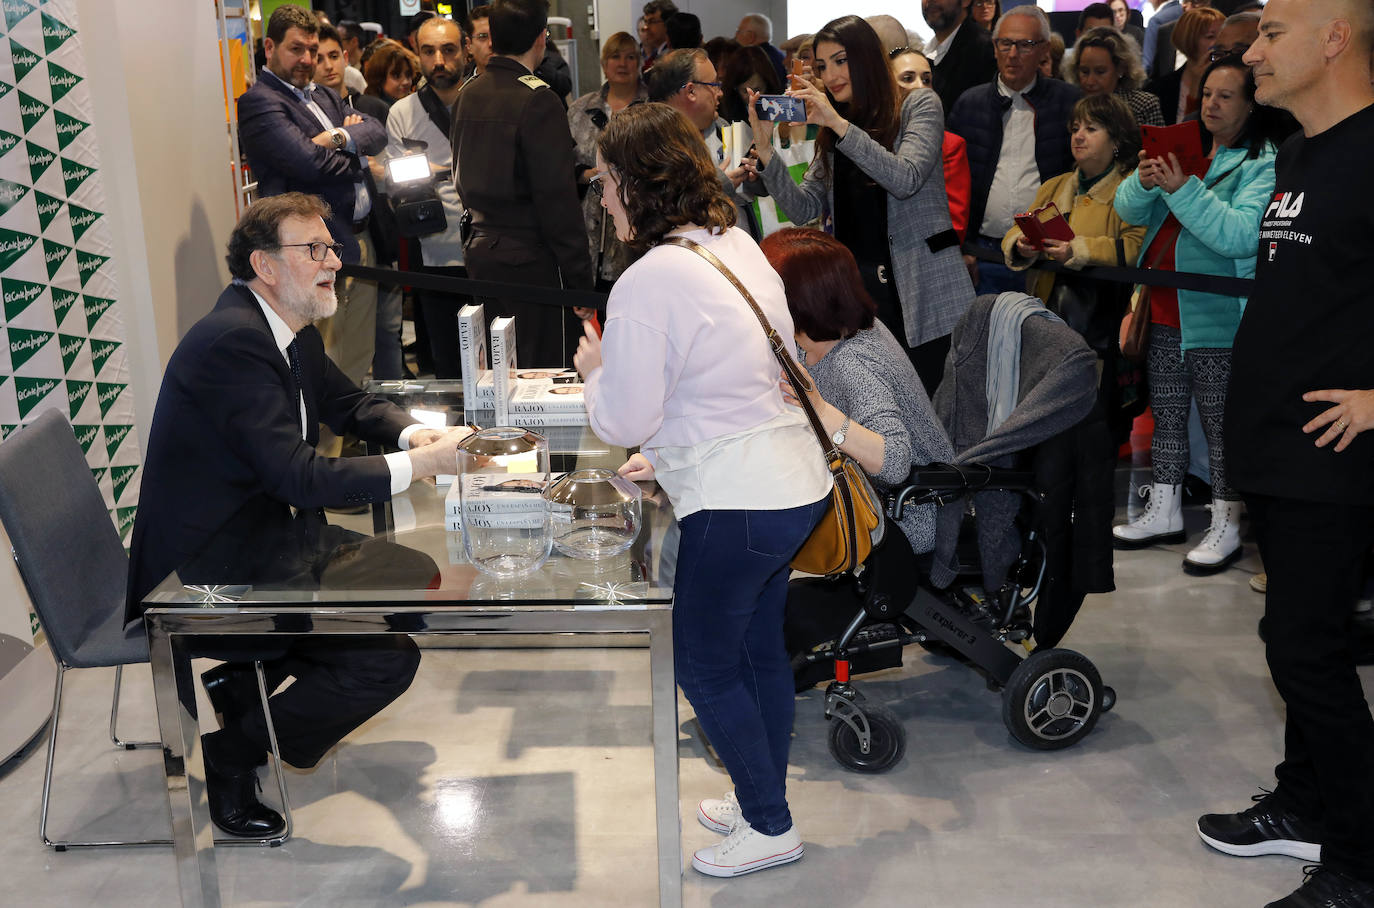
(533, 398)
(498, 501)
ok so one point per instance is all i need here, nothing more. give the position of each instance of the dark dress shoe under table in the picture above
(234, 804)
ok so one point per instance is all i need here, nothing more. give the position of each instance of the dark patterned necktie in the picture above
(293, 356)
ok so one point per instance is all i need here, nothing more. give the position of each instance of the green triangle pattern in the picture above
(39, 159)
(61, 80)
(55, 33)
(31, 110)
(48, 207)
(30, 392)
(86, 435)
(101, 350)
(114, 437)
(70, 345)
(124, 520)
(73, 175)
(68, 128)
(10, 194)
(54, 254)
(107, 393)
(7, 429)
(15, 11)
(88, 263)
(7, 142)
(119, 478)
(25, 343)
(18, 295)
(5, 88)
(13, 244)
(24, 59)
(62, 302)
(81, 218)
(99, 472)
(77, 392)
(95, 307)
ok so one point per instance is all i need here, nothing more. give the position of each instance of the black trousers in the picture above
(339, 684)
(929, 358)
(1313, 553)
(544, 335)
(441, 322)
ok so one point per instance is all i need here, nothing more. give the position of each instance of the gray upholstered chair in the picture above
(76, 572)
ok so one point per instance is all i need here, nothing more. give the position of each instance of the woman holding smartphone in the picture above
(877, 184)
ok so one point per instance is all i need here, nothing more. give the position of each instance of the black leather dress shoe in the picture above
(233, 691)
(234, 804)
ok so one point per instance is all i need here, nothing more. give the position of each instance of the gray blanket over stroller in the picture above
(1056, 389)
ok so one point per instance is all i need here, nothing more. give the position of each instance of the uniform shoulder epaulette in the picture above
(533, 82)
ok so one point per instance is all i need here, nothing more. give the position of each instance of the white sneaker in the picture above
(719, 814)
(745, 850)
(1161, 523)
(1221, 547)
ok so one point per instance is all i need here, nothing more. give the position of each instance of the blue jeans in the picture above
(995, 277)
(731, 662)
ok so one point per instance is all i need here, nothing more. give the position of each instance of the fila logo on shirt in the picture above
(1285, 205)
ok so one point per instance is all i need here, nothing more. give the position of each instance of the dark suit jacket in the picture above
(275, 130)
(968, 62)
(226, 435)
(1166, 87)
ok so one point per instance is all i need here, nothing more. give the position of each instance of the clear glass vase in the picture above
(594, 513)
(502, 474)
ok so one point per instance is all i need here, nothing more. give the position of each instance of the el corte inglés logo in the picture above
(40, 157)
(85, 435)
(31, 108)
(113, 436)
(7, 141)
(24, 293)
(47, 206)
(71, 345)
(32, 393)
(70, 127)
(28, 341)
(24, 59)
(73, 172)
(83, 218)
(55, 253)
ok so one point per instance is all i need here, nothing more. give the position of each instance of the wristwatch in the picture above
(838, 437)
(338, 137)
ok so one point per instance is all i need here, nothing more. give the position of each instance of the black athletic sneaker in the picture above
(1325, 888)
(1266, 828)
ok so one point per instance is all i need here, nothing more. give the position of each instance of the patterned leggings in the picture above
(1174, 376)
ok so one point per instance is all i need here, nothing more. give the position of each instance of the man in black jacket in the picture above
(234, 433)
(960, 52)
(514, 164)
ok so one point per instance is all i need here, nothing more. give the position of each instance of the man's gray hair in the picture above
(761, 24)
(672, 71)
(1030, 11)
(1247, 15)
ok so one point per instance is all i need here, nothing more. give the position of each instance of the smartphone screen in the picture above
(781, 108)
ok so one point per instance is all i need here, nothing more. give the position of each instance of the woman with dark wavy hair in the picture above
(877, 184)
(685, 372)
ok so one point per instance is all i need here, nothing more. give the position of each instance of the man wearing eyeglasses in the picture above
(234, 433)
(1014, 129)
(1237, 33)
(656, 15)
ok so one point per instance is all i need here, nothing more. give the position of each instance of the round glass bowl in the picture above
(593, 514)
(503, 473)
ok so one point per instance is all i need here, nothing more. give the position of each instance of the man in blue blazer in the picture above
(232, 442)
(296, 135)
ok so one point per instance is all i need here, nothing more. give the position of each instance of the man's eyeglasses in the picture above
(319, 251)
(1007, 46)
(715, 85)
(1235, 50)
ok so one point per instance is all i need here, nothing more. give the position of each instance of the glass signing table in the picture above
(267, 575)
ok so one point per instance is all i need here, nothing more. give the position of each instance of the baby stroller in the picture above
(1023, 533)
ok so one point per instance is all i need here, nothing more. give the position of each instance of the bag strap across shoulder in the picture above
(800, 381)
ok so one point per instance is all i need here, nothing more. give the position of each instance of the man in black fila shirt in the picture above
(1298, 445)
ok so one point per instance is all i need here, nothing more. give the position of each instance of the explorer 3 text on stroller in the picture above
(1023, 534)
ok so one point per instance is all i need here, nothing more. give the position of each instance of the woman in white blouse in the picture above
(685, 372)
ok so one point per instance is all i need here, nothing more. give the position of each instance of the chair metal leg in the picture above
(64, 844)
(114, 719)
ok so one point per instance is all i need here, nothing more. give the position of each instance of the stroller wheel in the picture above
(1052, 699)
(886, 739)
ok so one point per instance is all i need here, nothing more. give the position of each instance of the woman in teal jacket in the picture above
(1207, 225)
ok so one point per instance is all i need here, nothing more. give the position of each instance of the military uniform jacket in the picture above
(513, 164)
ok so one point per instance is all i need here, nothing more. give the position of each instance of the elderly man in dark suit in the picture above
(298, 138)
(233, 433)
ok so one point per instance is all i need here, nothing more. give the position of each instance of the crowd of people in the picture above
(864, 231)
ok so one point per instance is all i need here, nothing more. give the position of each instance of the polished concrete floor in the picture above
(523, 778)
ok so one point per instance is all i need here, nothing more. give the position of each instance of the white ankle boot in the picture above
(1161, 523)
(1221, 547)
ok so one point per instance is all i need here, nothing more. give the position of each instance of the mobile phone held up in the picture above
(781, 109)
